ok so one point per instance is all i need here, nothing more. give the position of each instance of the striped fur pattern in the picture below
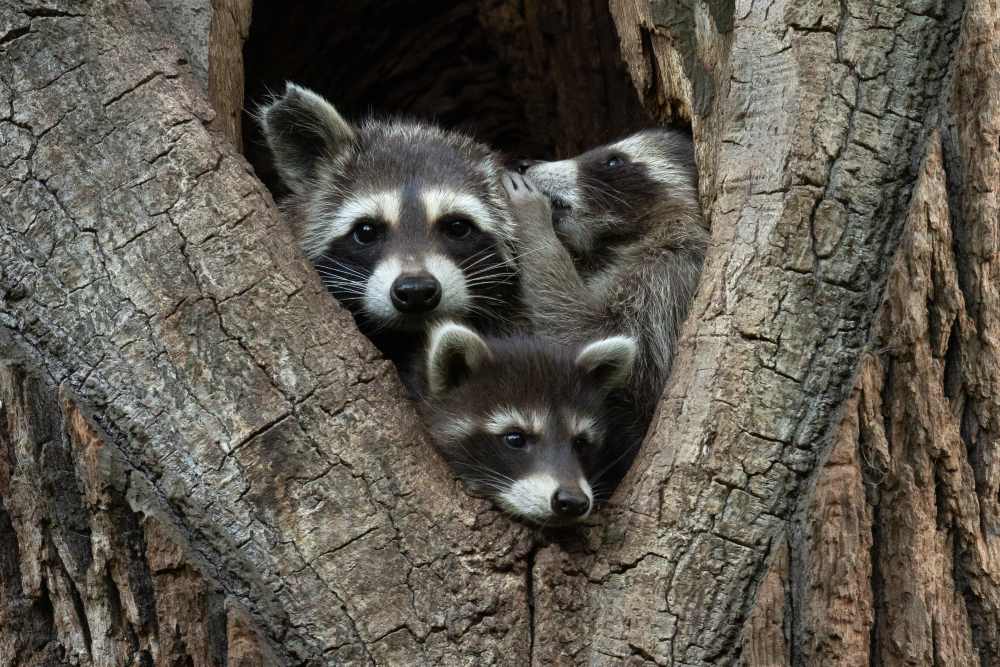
(407, 223)
(527, 421)
(617, 240)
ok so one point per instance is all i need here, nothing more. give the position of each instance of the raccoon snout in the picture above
(570, 503)
(415, 293)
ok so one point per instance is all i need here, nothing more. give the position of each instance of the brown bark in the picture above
(229, 29)
(146, 273)
(896, 551)
(245, 430)
(94, 570)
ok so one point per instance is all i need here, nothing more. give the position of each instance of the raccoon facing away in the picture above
(526, 421)
(407, 223)
(616, 246)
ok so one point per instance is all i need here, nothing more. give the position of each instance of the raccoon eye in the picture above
(515, 440)
(581, 441)
(456, 228)
(613, 162)
(365, 233)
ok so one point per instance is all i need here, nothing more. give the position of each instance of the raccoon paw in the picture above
(529, 205)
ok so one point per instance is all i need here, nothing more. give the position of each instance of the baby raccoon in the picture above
(407, 223)
(617, 248)
(525, 421)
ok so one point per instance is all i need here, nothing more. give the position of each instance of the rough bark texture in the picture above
(229, 30)
(896, 553)
(810, 120)
(92, 570)
(146, 272)
(215, 468)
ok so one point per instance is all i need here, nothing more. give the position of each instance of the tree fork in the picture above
(148, 279)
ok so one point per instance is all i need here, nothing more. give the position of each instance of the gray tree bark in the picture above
(202, 462)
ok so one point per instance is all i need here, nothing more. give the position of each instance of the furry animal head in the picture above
(525, 421)
(406, 222)
(606, 199)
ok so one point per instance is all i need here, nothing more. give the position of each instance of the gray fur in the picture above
(561, 399)
(626, 254)
(401, 183)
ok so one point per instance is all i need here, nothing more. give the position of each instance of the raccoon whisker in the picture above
(483, 297)
(628, 450)
(505, 268)
(350, 287)
(597, 188)
(478, 257)
(327, 261)
(474, 464)
(342, 279)
(341, 270)
(349, 280)
(501, 263)
(486, 282)
(487, 276)
(487, 313)
(526, 253)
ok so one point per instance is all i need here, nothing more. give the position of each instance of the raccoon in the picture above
(616, 242)
(524, 420)
(406, 223)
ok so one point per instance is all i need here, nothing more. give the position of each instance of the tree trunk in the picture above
(202, 462)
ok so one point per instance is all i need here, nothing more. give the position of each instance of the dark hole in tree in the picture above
(532, 78)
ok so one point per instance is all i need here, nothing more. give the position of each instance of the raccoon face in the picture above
(610, 195)
(406, 222)
(523, 420)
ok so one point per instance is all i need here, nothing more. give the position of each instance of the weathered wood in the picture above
(896, 553)
(809, 118)
(93, 569)
(146, 270)
(270, 459)
(229, 30)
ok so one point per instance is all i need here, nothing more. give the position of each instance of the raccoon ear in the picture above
(455, 353)
(609, 361)
(301, 128)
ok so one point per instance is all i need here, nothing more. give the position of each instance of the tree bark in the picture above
(202, 461)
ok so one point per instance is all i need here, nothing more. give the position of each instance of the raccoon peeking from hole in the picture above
(406, 223)
(526, 421)
(617, 241)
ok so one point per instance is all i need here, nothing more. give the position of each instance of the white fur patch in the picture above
(450, 342)
(325, 112)
(377, 299)
(583, 425)
(615, 354)
(457, 429)
(384, 206)
(558, 178)
(454, 292)
(648, 152)
(531, 497)
(587, 491)
(507, 419)
(439, 203)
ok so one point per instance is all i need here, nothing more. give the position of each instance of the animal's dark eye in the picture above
(515, 440)
(614, 161)
(456, 228)
(365, 232)
(581, 441)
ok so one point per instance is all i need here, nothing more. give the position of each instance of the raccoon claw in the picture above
(529, 205)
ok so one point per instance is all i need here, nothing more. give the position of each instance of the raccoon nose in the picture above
(415, 294)
(522, 166)
(567, 504)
